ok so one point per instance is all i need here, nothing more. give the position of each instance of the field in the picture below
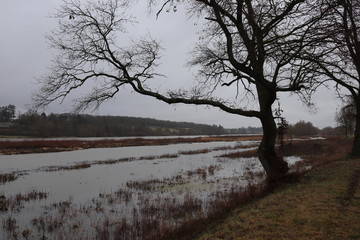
(157, 191)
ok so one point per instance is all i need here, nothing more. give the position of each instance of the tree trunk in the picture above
(276, 168)
(355, 152)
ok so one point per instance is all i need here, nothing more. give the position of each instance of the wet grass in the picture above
(158, 216)
(240, 154)
(158, 157)
(15, 203)
(8, 177)
(194, 152)
(76, 166)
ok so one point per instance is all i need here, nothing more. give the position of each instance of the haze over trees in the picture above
(251, 47)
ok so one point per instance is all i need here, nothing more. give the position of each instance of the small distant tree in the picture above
(346, 117)
(7, 113)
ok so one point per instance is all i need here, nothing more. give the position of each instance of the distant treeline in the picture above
(242, 130)
(81, 125)
(303, 128)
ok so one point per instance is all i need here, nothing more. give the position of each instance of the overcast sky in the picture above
(25, 56)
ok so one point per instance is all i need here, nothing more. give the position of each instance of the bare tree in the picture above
(338, 51)
(249, 46)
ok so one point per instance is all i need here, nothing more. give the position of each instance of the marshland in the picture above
(155, 191)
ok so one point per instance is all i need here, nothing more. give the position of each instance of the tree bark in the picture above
(276, 168)
(355, 152)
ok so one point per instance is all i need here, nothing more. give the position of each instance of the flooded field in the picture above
(142, 192)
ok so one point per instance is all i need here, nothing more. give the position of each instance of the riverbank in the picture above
(59, 145)
(323, 204)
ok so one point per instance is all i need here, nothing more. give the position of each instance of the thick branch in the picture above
(194, 101)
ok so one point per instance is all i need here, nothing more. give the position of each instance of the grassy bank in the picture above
(323, 204)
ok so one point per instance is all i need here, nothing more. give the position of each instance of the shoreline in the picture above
(59, 145)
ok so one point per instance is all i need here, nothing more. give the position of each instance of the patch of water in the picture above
(126, 188)
(26, 162)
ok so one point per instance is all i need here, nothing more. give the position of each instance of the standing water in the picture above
(138, 192)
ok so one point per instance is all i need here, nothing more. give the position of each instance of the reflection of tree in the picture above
(248, 46)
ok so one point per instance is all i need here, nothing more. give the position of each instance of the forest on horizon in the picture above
(83, 125)
(33, 124)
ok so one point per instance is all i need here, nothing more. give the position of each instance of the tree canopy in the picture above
(253, 47)
(337, 51)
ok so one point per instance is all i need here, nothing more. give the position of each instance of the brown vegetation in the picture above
(323, 204)
(15, 203)
(240, 154)
(317, 151)
(40, 146)
(161, 215)
(7, 177)
(76, 166)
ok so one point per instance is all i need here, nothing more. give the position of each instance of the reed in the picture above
(8, 177)
(76, 166)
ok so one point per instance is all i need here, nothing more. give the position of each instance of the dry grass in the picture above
(324, 204)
